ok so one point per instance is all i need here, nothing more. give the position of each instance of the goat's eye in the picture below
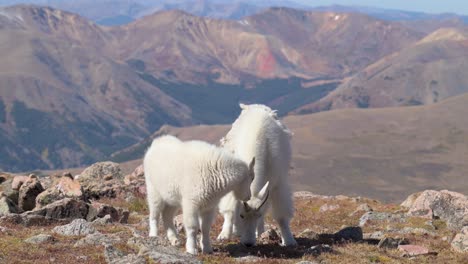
(242, 216)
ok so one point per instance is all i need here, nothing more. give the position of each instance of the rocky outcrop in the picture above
(452, 207)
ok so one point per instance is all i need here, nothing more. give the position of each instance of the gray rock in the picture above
(28, 192)
(102, 179)
(78, 227)
(7, 206)
(30, 220)
(372, 216)
(98, 210)
(40, 239)
(460, 241)
(353, 233)
(115, 256)
(9, 192)
(98, 239)
(328, 207)
(62, 187)
(318, 249)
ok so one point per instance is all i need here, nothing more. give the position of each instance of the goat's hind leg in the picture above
(168, 222)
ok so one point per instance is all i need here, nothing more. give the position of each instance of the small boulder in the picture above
(460, 241)
(40, 239)
(353, 233)
(136, 175)
(28, 192)
(78, 227)
(102, 179)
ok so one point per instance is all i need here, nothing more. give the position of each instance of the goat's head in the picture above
(250, 212)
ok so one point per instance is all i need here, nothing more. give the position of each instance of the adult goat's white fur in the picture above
(191, 175)
(258, 133)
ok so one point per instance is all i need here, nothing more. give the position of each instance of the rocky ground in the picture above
(100, 216)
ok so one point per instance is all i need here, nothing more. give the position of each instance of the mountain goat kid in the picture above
(192, 175)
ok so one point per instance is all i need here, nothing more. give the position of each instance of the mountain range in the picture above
(73, 92)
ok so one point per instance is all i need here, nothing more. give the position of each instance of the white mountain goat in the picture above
(191, 175)
(258, 133)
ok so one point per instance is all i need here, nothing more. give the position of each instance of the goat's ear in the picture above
(251, 168)
(263, 194)
(243, 106)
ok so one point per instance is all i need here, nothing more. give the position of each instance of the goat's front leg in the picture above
(206, 221)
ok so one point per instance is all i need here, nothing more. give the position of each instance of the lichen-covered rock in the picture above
(99, 210)
(373, 216)
(390, 242)
(460, 241)
(451, 207)
(28, 192)
(78, 227)
(62, 187)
